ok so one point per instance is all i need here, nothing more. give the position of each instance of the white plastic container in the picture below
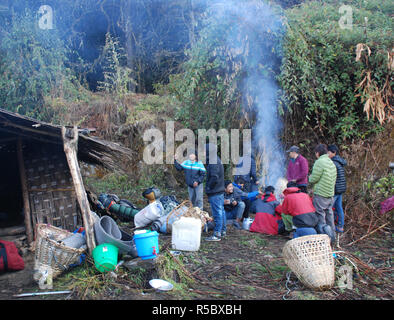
(150, 213)
(186, 234)
(247, 223)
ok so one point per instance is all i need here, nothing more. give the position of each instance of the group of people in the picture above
(298, 214)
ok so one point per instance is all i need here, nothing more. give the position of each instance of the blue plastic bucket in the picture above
(147, 244)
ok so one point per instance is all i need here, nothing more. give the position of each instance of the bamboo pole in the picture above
(368, 234)
(70, 141)
(25, 193)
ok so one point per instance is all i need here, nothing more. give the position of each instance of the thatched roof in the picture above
(90, 149)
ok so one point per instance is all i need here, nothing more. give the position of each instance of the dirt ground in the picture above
(243, 266)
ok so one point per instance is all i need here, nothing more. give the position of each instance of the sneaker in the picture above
(212, 238)
(236, 225)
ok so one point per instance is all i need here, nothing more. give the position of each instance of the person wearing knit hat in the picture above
(233, 205)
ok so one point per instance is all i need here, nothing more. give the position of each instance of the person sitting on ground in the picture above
(233, 205)
(233, 202)
(340, 185)
(298, 168)
(194, 175)
(268, 219)
(247, 197)
(299, 206)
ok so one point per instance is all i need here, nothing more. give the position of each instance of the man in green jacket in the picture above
(323, 178)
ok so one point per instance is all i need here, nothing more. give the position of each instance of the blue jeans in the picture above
(237, 212)
(339, 210)
(218, 213)
(304, 232)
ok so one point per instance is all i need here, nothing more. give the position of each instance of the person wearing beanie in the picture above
(234, 202)
(233, 205)
(297, 169)
(323, 178)
(299, 206)
(268, 219)
(340, 185)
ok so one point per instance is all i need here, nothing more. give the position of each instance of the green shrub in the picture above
(213, 88)
(33, 70)
(320, 76)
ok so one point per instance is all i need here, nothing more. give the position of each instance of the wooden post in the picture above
(25, 193)
(70, 142)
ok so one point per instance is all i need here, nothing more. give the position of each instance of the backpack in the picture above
(10, 260)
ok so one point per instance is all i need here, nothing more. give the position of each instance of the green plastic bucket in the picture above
(105, 257)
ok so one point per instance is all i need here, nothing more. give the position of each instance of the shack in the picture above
(40, 180)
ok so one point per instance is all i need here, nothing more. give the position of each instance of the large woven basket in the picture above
(311, 259)
(50, 252)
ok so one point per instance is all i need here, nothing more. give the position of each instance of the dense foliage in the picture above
(215, 86)
(335, 81)
(325, 85)
(33, 70)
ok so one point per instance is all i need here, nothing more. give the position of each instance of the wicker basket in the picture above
(186, 209)
(197, 213)
(311, 259)
(50, 252)
(176, 213)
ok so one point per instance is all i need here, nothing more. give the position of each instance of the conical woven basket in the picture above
(50, 252)
(311, 259)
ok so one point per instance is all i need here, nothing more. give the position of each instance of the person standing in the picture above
(194, 175)
(340, 185)
(246, 170)
(245, 176)
(214, 188)
(323, 178)
(298, 169)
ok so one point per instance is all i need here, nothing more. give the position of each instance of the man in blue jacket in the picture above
(194, 175)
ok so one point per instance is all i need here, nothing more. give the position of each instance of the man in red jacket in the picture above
(268, 219)
(298, 168)
(299, 205)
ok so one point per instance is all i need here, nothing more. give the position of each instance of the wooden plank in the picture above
(70, 140)
(26, 204)
(12, 231)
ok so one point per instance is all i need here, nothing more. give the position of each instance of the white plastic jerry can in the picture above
(186, 234)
